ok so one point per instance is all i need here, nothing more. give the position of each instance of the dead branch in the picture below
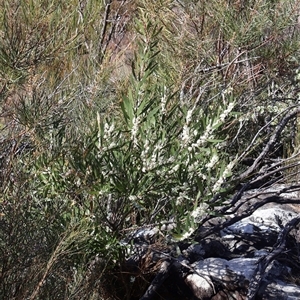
(157, 281)
(270, 144)
(266, 260)
(229, 220)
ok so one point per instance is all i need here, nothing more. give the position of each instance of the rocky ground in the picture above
(251, 252)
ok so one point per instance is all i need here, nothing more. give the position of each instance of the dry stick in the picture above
(50, 264)
(216, 228)
(198, 70)
(227, 64)
(246, 151)
(103, 46)
(275, 135)
(266, 260)
(105, 21)
(157, 281)
(61, 249)
(271, 142)
(270, 173)
(233, 206)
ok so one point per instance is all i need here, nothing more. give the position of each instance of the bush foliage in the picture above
(117, 115)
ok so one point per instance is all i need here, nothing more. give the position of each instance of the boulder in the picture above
(254, 257)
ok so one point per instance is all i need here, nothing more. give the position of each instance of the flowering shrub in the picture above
(160, 159)
(91, 151)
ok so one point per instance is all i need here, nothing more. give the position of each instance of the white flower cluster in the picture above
(145, 150)
(199, 212)
(108, 130)
(196, 169)
(226, 112)
(133, 198)
(107, 134)
(212, 162)
(163, 101)
(187, 234)
(144, 156)
(174, 169)
(150, 162)
(134, 130)
(186, 129)
(99, 129)
(181, 197)
(221, 145)
(208, 134)
(111, 145)
(222, 178)
(209, 130)
(183, 194)
(185, 135)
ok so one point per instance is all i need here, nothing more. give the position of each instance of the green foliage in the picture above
(157, 161)
(91, 151)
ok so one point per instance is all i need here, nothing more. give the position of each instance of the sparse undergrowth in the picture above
(121, 114)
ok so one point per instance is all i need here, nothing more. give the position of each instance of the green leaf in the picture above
(127, 109)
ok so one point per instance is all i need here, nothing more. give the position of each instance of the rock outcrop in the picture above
(251, 252)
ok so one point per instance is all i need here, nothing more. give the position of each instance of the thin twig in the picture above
(270, 143)
(265, 261)
(157, 281)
